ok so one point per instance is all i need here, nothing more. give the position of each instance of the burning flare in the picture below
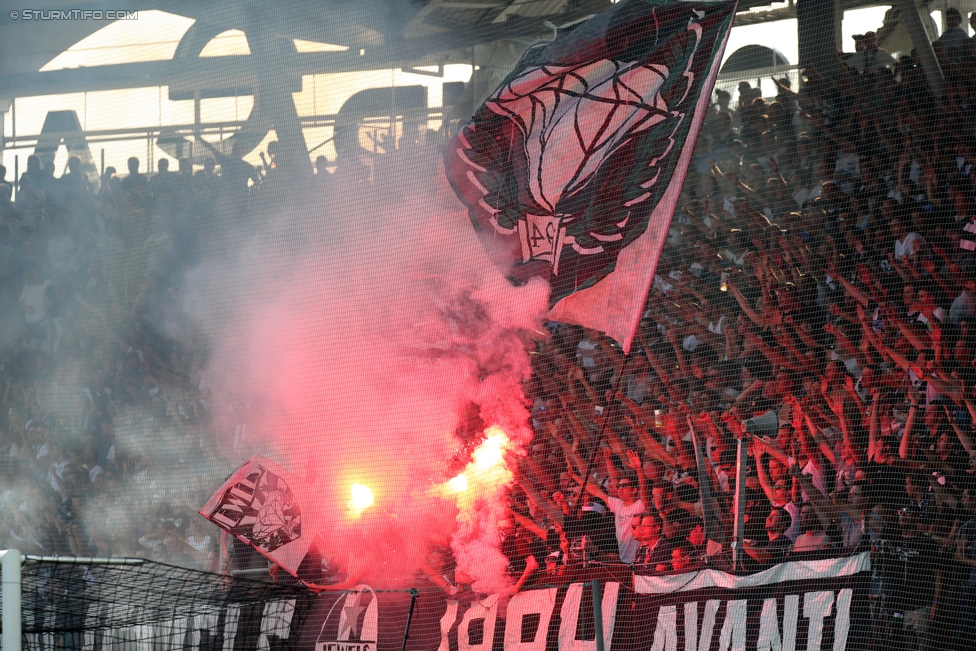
(362, 498)
(459, 484)
(487, 461)
(491, 452)
(480, 491)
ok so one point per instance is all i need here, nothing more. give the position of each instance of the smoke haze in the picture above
(360, 336)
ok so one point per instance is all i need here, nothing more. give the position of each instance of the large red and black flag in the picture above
(572, 168)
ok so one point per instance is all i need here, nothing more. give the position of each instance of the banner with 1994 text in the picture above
(817, 605)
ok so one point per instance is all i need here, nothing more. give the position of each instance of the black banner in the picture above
(799, 606)
(818, 605)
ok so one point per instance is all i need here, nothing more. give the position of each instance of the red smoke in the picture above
(362, 360)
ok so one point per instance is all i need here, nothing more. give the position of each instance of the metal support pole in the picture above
(82, 560)
(597, 614)
(10, 576)
(926, 55)
(738, 532)
(818, 32)
(273, 98)
(4, 107)
(406, 631)
(196, 125)
(253, 574)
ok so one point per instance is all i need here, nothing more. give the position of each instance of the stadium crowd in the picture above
(819, 278)
(104, 411)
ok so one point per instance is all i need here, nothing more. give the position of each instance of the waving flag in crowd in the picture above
(571, 170)
(262, 504)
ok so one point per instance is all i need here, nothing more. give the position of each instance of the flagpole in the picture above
(738, 531)
(599, 438)
(406, 631)
(713, 524)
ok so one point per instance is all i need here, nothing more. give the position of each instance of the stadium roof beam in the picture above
(393, 33)
(244, 70)
(818, 25)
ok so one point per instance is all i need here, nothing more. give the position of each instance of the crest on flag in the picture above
(261, 503)
(568, 161)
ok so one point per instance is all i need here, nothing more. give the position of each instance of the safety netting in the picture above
(559, 324)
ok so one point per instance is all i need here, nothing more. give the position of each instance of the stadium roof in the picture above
(377, 33)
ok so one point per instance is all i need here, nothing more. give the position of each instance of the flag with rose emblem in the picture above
(267, 507)
(572, 168)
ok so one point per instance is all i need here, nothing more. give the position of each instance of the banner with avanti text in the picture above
(817, 605)
(798, 606)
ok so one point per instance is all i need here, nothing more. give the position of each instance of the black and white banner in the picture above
(816, 605)
(799, 606)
